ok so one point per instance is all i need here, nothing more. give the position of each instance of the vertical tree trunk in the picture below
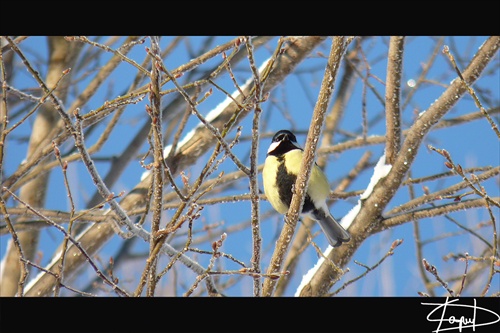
(62, 55)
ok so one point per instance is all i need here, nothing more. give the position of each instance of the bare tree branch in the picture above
(368, 219)
(95, 236)
(393, 98)
(173, 125)
(337, 51)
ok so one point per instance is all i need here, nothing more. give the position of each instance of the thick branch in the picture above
(97, 235)
(393, 98)
(334, 60)
(368, 219)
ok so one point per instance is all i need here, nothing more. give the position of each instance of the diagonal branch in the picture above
(337, 50)
(368, 219)
(393, 98)
(94, 237)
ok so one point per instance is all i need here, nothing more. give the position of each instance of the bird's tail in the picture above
(333, 231)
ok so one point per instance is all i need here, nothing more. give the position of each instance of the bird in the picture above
(281, 168)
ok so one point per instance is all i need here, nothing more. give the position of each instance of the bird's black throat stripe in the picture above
(285, 182)
(282, 148)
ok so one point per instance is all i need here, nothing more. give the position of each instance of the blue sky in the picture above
(396, 276)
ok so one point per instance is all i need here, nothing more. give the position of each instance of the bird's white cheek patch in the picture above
(273, 146)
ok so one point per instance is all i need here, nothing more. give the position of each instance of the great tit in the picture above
(281, 168)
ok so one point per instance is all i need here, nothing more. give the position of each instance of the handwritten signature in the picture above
(458, 322)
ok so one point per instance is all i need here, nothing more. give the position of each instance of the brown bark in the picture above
(62, 55)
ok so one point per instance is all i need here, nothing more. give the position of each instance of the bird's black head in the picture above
(283, 135)
(283, 142)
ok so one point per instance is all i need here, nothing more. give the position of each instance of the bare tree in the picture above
(140, 174)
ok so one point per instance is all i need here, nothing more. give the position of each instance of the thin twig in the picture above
(439, 195)
(254, 185)
(105, 279)
(17, 245)
(59, 273)
(30, 263)
(433, 270)
(389, 253)
(418, 242)
(494, 126)
(117, 53)
(458, 169)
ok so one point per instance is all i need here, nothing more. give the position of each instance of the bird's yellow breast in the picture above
(279, 175)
